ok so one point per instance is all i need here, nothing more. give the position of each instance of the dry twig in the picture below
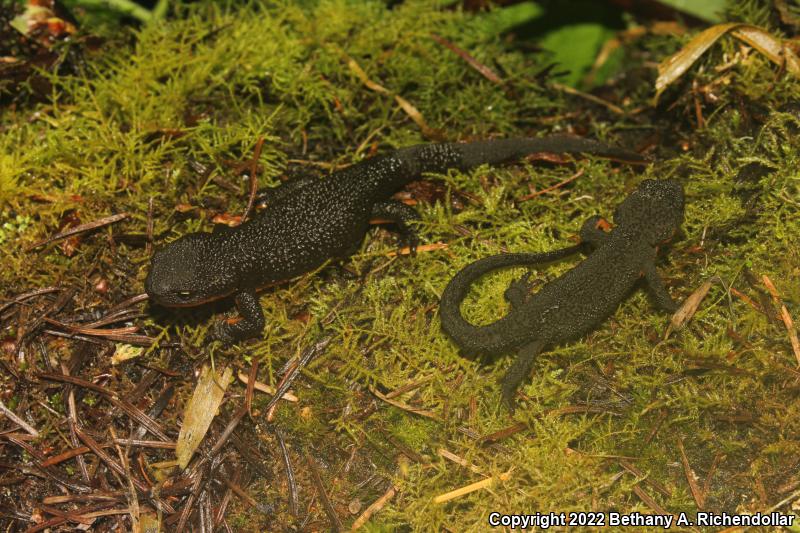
(785, 317)
(83, 228)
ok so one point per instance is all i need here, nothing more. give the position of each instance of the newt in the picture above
(578, 301)
(308, 221)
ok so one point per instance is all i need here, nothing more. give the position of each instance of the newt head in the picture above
(654, 211)
(187, 272)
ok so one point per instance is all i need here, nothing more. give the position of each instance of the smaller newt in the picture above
(579, 300)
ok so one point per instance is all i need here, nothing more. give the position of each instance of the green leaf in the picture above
(125, 7)
(709, 10)
(575, 48)
(573, 42)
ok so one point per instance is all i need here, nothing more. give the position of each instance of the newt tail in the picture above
(498, 336)
(465, 156)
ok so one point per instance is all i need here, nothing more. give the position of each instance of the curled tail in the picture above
(503, 334)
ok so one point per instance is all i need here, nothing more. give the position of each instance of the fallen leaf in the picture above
(200, 411)
(41, 22)
(774, 48)
(125, 352)
(688, 308)
(788, 14)
(675, 65)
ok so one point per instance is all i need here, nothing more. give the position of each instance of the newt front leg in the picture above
(251, 323)
(519, 371)
(656, 289)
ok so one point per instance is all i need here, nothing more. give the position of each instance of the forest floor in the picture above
(157, 129)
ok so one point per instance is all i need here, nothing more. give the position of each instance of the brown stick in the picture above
(697, 494)
(253, 179)
(336, 524)
(251, 382)
(376, 506)
(109, 461)
(149, 246)
(485, 71)
(130, 409)
(30, 294)
(17, 420)
(552, 187)
(80, 229)
(289, 473)
(785, 316)
(284, 385)
(648, 500)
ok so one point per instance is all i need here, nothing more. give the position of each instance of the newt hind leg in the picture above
(519, 371)
(594, 231)
(403, 216)
(519, 290)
